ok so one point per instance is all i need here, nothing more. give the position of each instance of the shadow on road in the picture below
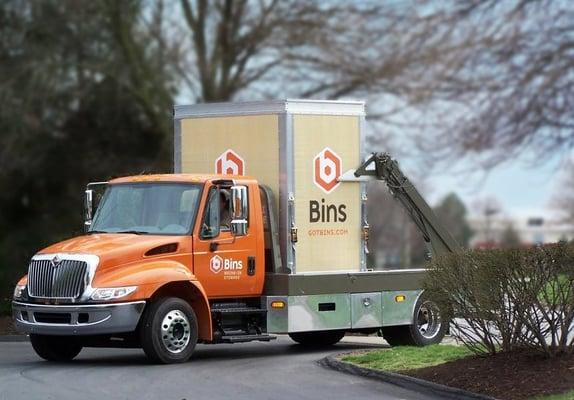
(204, 353)
(207, 352)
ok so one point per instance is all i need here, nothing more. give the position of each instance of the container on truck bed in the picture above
(262, 229)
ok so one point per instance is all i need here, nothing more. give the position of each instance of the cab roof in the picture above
(183, 178)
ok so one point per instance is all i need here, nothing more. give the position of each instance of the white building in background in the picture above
(488, 231)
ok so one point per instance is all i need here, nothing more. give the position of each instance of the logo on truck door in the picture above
(229, 163)
(231, 268)
(216, 264)
(327, 170)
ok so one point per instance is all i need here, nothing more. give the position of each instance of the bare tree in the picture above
(485, 79)
(506, 88)
(220, 50)
(309, 49)
(481, 78)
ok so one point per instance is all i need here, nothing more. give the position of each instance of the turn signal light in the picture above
(400, 297)
(277, 304)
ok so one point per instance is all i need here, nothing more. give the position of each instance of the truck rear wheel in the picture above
(317, 339)
(55, 348)
(169, 331)
(428, 327)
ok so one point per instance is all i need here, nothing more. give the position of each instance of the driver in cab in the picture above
(224, 211)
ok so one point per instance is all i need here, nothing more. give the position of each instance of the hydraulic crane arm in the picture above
(380, 166)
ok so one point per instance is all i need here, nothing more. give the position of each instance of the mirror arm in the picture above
(88, 208)
(89, 203)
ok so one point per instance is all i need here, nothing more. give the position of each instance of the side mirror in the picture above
(239, 210)
(88, 208)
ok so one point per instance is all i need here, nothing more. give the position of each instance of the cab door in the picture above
(226, 265)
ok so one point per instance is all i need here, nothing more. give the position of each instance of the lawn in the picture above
(563, 396)
(406, 357)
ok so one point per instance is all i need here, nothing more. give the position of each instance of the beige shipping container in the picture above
(298, 148)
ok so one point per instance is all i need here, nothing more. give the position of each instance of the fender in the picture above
(160, 278)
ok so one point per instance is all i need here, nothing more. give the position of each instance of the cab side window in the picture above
(224, 210)
(210, 224)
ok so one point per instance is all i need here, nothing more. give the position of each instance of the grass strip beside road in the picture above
(456, 366)
(405, 358)
(562, 396)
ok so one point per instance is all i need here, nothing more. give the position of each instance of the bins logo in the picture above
(216, 264)
(327, 167)
(327, 170)
(231, 268)
(229, 163)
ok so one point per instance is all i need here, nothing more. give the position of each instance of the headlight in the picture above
(19, 292)
(102, 294)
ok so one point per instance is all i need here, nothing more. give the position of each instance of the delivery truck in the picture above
(261, 230)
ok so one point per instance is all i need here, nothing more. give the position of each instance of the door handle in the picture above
(250, 265)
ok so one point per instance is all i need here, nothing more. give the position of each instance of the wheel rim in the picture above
(428, 320)
(175, 331)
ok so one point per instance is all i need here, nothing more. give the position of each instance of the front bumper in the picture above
(88, 319)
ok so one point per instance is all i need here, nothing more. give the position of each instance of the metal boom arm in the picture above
(387, 170)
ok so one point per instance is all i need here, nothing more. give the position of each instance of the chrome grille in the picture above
(66, 280)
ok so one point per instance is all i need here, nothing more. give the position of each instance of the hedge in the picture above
(505, 299)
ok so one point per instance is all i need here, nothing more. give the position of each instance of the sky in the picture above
(522, 190)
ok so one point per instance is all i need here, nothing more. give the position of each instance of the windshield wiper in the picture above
(134, 232)
(94, 231)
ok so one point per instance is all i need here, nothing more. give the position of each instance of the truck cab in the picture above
(199, 237)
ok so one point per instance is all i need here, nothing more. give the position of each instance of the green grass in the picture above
(563, 396)
(408, 357)
(556, 289)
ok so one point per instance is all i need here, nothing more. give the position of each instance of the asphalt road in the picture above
(276, 370)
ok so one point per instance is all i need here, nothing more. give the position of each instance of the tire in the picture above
(55, 348)
(168, 332)
(317, 339)
(428, 328)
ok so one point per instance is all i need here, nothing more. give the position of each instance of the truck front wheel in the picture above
(317, 339)
(55, 348)
(428, 327)
(169, 331)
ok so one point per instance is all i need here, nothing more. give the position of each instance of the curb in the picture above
(404, 381)
(13, 338)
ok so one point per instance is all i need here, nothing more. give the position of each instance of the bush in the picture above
(505, 299)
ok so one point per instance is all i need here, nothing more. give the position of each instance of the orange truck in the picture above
(261, 230)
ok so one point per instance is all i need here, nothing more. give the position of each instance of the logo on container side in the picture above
(327, 170)
(229, 163)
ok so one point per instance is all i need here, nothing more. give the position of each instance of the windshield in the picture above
(155, 208)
